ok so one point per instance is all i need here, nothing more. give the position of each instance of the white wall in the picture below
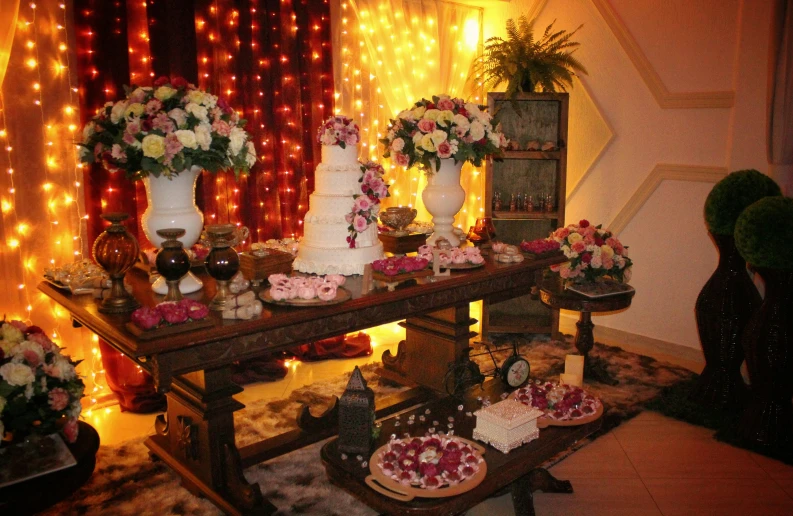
(699, 51)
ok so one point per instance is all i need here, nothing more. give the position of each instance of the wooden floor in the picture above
(649, 465)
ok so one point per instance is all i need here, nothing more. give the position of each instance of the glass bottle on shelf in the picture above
(512, 206)
(519, 202)
(549, 203)
(530, 203)
(499, 204)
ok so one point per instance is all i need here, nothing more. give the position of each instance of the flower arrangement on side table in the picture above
(443, 127)
(165, 129)
(39, 387)
(366, 205)
(592, 252)
(339, 130)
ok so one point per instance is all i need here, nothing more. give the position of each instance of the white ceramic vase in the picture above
(443, 197)
(172, 205)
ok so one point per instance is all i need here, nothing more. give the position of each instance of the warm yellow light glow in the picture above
(471, 32)
(47, 186)
(13, 243)
(31, 62)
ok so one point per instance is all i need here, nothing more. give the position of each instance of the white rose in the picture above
(2, 406)
(427, 143)
(477, 131)
(461, 122)
(250, 157)
(75, 409)
(432, 114)
(406, 114)
(178, 116)
(198, 111)
(195, 96)
(118, 111)
(17, 374)
(203, 135)
(88, 131)
(438, 136)
(418, 112)
(164, 93)
(473, 109)
(237, 137)
(398, 145)
(11, 334)
(187, 138)
(135, 109)
(494, 138)
(28, 345)
(417, 137)
(29, 391)
(153, 146)
(61, 369)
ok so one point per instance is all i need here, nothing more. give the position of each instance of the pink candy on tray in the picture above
(454, 255)
(402, 265)
(169, 313)
(325, 288)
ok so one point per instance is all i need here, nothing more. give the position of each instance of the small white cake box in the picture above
(507, 424)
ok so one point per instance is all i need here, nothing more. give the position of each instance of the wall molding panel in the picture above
(663, 172)
(665, 98)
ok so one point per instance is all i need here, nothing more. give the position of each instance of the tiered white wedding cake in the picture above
(324, 248)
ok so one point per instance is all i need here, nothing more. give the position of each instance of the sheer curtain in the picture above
(8, 21)
(393, 53)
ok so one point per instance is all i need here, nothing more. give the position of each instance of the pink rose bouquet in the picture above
(165, 129)
(440, 128)
(339, 130)
(39, 388)
(592, 252)
(366, 205)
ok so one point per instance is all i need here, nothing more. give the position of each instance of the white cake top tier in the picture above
(335, 155)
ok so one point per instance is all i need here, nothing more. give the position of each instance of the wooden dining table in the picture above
(196, 435)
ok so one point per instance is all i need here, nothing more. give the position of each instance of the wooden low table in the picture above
(520, 470)
(554, 295)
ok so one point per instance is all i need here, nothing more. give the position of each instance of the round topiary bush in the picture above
(732, 195)
(764, 233)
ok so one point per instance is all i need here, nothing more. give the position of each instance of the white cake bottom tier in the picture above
(345, 261)
(327, 209)
(337, 179)
(335, 235)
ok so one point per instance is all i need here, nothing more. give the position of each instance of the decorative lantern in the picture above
(356, 416)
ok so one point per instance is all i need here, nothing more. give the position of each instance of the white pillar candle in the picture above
(574, 364)
(576, 380)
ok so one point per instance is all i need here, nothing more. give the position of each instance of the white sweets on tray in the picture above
(507, 424)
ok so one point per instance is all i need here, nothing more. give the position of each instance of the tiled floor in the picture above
(649, 465)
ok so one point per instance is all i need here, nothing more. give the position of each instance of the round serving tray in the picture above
(342, 295)
(386, 486)
(545, 422)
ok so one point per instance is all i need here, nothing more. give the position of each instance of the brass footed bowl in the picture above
(398, 218)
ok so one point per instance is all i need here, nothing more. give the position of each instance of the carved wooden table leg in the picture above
(535, 480)
(432, 341)
(594, 367)
(196, 440)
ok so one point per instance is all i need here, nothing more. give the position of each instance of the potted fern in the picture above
(525, 63)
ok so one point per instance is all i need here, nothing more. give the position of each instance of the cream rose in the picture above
(574, 237)
(427, 144)
(187, 138)
(164, 93)
(432, 114)
(398, 144)
(606, 251)
(445, 117)
(178, 116)
(153, 146)
(461, 122)
(135, 109)
(237, 138)
(438, 136)
(17, 374)
(419, 112)
(11, 334)
(118, 111)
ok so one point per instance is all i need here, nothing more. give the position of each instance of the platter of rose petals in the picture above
(455, 258)
(394, 270)
(305, 290)
(433, 466)
(564, 405)
(541, 248)
(168, 318)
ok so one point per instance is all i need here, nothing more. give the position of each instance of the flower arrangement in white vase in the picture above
(439, 135)
(166, 135)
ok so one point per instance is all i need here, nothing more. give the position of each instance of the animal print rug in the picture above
(126, 482)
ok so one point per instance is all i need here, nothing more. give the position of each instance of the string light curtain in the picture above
(272, 61)
(41, 214)
(393, 53)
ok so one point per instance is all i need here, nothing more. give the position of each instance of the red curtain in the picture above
(270, 59)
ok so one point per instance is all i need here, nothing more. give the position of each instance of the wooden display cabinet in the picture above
(538, 174)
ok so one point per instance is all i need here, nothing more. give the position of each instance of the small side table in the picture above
(36, 494)
(554, 295)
